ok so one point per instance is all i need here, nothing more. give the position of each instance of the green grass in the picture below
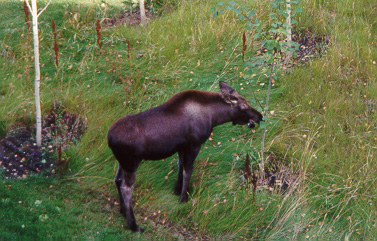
(323, 127)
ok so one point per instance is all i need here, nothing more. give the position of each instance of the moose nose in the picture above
(251, 124)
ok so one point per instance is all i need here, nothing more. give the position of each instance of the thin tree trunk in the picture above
(142, 13)
(37, 71)
(288, 57)
(38, 113)
(261, 166)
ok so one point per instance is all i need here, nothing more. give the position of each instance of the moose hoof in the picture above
(184, 199)
(177, 190)
(122, 211)
(137, 229)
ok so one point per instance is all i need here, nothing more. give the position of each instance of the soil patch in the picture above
(127, 17)
(311, 45)
(278, 177)
(20, 156)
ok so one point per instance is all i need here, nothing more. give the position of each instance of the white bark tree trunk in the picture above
(142, 13)
(37, 71)
(34, 12)
(288, 57)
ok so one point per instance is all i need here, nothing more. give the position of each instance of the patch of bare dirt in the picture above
(127, 17)
(20, 156)
(278, 177)
(311, 45)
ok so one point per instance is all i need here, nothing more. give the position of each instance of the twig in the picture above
(44, 8)
(31, 10)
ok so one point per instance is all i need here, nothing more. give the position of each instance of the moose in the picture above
(182, 124)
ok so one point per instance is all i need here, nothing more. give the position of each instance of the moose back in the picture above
(182, 124)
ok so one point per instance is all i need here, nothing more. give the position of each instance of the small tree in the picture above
(276, 40)
(34, 12)
(142, 13)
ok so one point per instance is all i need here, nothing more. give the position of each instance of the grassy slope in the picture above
(185, 49)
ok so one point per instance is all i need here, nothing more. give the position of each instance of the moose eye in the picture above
(243, 107)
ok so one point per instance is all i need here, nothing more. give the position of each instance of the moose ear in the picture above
(228, 93)
(226, 89)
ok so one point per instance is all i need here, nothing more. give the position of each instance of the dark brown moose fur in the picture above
(182, 124)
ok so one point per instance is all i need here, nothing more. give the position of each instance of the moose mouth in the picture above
(251, 124)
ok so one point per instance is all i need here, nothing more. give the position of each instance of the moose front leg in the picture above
(178, 185)
(189, 156)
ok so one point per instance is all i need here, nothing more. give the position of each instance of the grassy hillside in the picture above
(323, 127)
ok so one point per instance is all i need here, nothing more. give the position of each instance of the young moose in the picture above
(182, 125)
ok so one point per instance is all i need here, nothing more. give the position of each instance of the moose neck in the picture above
(221, 112)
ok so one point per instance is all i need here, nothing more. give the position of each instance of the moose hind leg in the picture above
(119, 181)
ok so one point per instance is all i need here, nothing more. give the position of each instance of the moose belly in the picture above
(160, 150)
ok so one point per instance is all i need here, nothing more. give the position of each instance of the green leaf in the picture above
(251, 14)
(248, 63)
(215, 14)
(270, 44)
(220, 3)
(273, 16)
(241, 17)
(249, 25)
(270, 61)
(262, 125)
(258, 62)
(232, 3)
(272, 31)
(298, 10)
(283, 31)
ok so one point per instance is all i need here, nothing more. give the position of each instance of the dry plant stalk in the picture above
(254, 182)
(56, 47)
(248, 173)
(98, 28)
(243, 46)
(128, 49)
(27, 13)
